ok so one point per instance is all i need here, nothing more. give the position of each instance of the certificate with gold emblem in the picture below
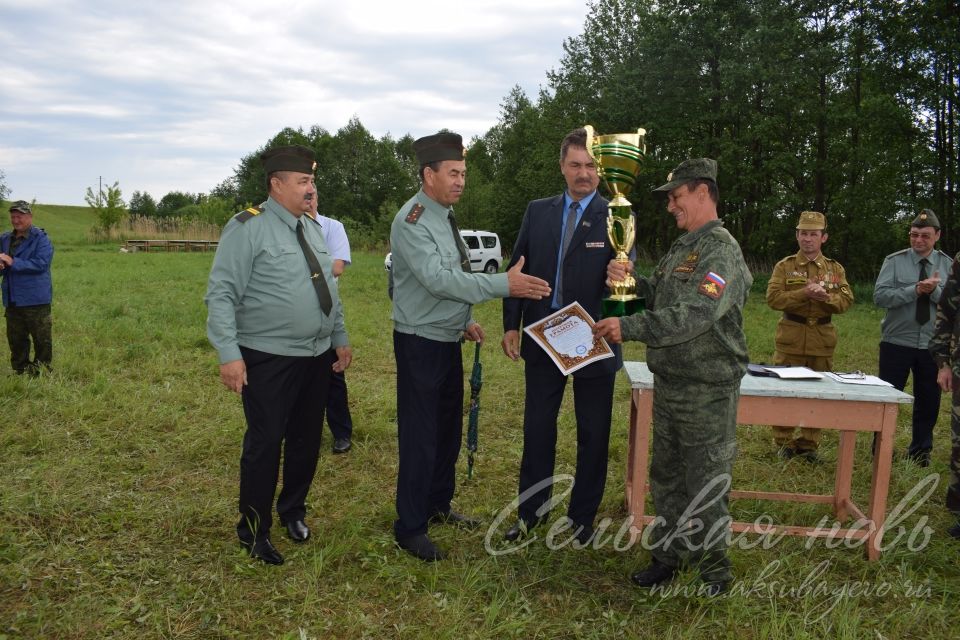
(567, 337)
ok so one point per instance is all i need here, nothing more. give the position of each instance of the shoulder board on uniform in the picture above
(898, 253)
(246, 214)
(414, 214)
(945, 255)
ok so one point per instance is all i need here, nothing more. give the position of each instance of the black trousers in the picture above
(338, 410)
(283, 402)
(429, 428)
(593, 407)
(898, 362)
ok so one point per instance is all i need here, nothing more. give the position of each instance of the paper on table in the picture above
(794, 373)
(567, 337)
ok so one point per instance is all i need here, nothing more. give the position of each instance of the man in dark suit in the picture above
(564, 240)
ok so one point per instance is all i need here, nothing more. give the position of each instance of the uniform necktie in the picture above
(464, 257)
(316, 272)
(923, 300)
(568, 228)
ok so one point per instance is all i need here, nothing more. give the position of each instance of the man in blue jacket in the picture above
(25, 257)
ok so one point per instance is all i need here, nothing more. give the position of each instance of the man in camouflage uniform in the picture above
(697, 351)
(945, 348)
(809, 288)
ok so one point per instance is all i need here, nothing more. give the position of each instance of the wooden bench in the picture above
(171, 245)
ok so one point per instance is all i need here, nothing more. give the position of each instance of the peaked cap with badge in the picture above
(926, 218)
(812, 220)
(439, 147)
(689, 170)
(292, 157)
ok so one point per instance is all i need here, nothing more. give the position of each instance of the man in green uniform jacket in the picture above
(697, 351)
(275, 319)
(433, 290)
(909, 287)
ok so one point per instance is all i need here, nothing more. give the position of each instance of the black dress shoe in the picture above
(298, 530)
(714, 588)
(785, 453)
(519, 530)
(655, 573)
(342, 445)
(810, 456)
(584, 533)
(456, 519)
(920, 458)
(421, 547)
(264, 551)
(954, 531)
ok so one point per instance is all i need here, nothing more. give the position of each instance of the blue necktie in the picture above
(569, 227)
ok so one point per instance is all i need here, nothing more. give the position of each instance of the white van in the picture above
(483, 246)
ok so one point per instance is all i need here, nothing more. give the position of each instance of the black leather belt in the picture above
(792, 317)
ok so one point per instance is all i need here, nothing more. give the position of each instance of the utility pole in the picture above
(99, 190)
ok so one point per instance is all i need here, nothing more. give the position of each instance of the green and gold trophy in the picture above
(618, 157)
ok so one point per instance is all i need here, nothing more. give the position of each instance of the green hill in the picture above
(66, 225)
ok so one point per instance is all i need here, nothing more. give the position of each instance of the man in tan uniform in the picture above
(809, 288)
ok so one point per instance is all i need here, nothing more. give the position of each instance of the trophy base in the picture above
(611, 308)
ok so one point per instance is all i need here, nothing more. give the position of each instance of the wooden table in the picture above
(820, 404)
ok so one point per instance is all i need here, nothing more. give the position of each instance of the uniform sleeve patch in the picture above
(415, 212)
(712, 286)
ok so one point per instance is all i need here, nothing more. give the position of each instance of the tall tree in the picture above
(142, 204)
(107, 205)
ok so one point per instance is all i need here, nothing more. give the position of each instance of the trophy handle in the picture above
(591, 134)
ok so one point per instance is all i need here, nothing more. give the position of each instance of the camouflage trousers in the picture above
(694, 444)
(24, 324)
(953, 490)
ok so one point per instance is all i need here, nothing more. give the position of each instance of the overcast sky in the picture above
(165, 96)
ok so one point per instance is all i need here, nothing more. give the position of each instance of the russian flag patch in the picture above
(712, 286)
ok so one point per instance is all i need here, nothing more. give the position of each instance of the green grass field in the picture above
(118, 488)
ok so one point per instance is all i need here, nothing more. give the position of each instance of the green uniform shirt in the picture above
(896, 291)
(693, 325)
(785, 292)
(432, 295)
(260, 295)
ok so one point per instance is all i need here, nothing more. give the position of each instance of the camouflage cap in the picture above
(22, 206)
(439, 147)
(692, 169)
(812, 220)
(927, 218)
(293, 157)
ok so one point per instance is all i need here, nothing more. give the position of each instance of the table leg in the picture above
(844, 475)
(881, 480)
(641, 414)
